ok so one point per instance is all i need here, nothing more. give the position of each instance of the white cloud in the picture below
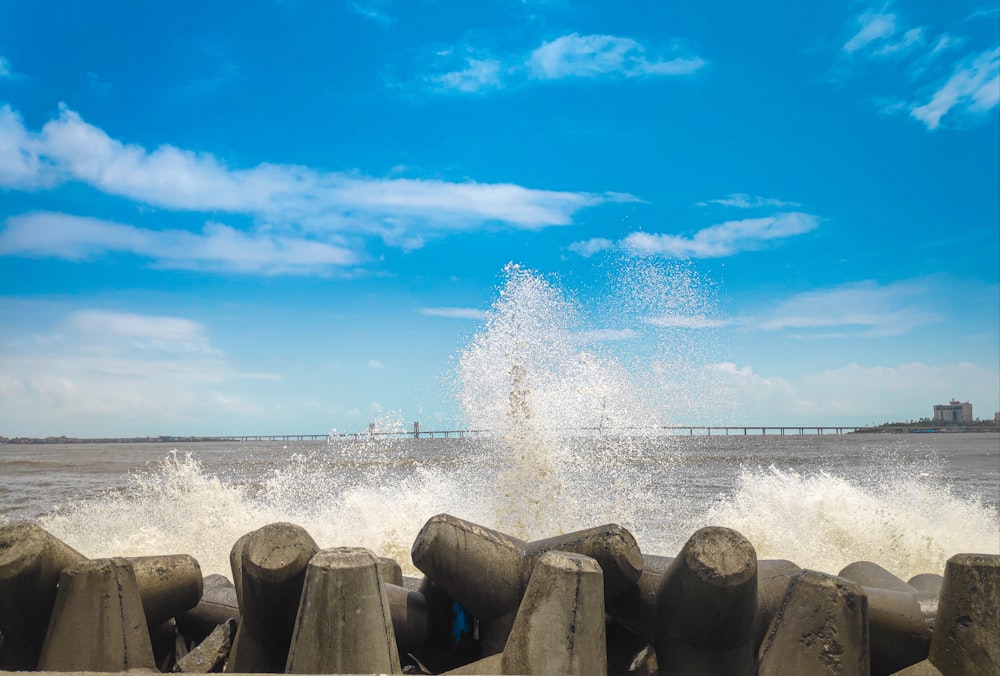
(724, 239)
(740, 200)
(576, 55)
(479, 74)
(874, 26)
(686, 321)
(376, 364)
(217, 247)
(974, 87)
(399, 210)
(855, 394)
(454, 312)
(863, 308)
(5, 70)
(142, 331)
(592, 246)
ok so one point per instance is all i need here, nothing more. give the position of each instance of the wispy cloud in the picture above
(576, 55)
(478, 75)
(568, 56)
(934, 75)
(860, 308)
(291, 199)
(592, 246)
(5, 70)
(172, 334)
(217, 247)
(740, 200)
(376, 364)
(724, 239)
(679, 321)
(974, 87)
(454, 312)
(374, 10)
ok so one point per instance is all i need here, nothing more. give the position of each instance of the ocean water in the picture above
(907, 502)
(575, 403)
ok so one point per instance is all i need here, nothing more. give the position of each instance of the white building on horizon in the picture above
(954, 411)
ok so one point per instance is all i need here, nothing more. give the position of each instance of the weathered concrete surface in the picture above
(868, 574)
(390, 571)
(31, 560)
(477, 566)
(820, 629)
(210, 655)
(217, 605)
(409, 616)
(707, 606)
(635, 608)
(168, 585)
(924, 668)
(611, 546)
(344, 623)
(966, 636)
(899, 631)
(272, 571)
(929, 583)
(98, 623)
(559, 627)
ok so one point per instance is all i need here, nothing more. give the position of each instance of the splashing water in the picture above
(825, 522)
(575, 405)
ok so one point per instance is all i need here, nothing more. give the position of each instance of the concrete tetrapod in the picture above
(707, 605)
(343, 623)
(31, 560)
(820, 629)
(272, 571)
(487, 571)
(97, 621)
(168, 585)
(559, 628)
(217, 605)
(966, 636)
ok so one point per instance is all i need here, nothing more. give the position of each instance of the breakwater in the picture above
(586, 602)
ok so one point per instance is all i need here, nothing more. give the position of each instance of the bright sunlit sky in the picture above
(282, 217)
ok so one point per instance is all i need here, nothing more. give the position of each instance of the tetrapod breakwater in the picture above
(586, 602)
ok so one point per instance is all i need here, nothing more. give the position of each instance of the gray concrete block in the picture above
(868, 574)
(344, 624)
(31, 560)
(168, 585)
(707, 606)
(273, 567)
(559, 628)
(966, 637)
(97, 623)
(210, 655)
(820, 629)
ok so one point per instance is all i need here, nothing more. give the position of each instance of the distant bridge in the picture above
(688, 430)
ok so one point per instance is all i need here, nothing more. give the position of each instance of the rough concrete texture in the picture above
(868, 574)
(707, 605)
(97, 621)
(924, 668)
(479, 567)
(929, 583)
(31, 561)
(559, 627)
(898, 629)
(274, 560)
(210, 655)
(635, 608)
(821, 628)
(408, 610)
(390, 571)
(613, 547)
(344, 623)
(168, 585)
(966, 636)
(218, 604)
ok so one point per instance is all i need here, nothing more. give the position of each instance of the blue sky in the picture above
(287, 217)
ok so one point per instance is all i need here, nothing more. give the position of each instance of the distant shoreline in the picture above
(921, 427)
